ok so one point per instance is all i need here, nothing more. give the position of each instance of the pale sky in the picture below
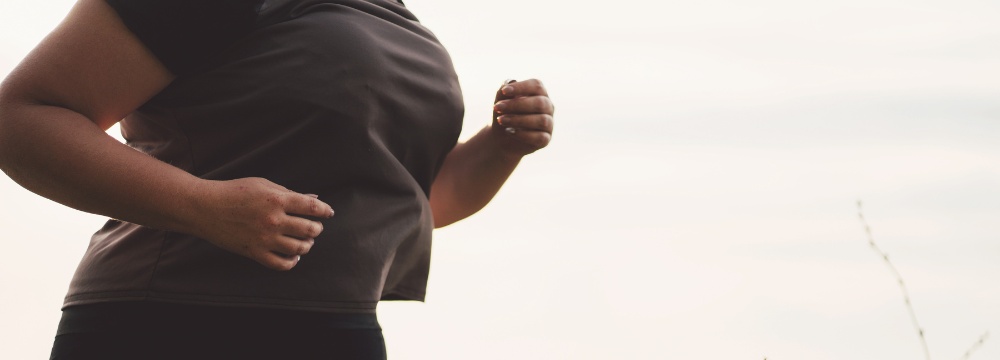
(698, 198)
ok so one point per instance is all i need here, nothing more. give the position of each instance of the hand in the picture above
(261, 220)
(523, 115)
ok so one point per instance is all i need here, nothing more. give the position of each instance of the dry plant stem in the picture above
(899, 279)
(975, 346)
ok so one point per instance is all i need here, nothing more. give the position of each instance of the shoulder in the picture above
(183, 33)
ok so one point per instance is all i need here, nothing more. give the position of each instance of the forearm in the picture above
(472, 174)
(64, 156)
(474, 171)
(91, 71)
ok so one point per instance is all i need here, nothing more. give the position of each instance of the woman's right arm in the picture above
(84, 77)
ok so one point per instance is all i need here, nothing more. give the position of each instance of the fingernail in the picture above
(297, 258)
(500, 107)
(314, 196)
(507, 90)
(501, 119)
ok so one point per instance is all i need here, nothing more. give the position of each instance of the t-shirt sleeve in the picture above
(183, 34)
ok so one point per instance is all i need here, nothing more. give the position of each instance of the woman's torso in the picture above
(352, 100)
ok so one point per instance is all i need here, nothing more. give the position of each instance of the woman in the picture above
(254, 119)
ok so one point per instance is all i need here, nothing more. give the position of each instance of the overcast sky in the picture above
(699, 198)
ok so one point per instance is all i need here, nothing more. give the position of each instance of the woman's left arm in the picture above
(475, 170)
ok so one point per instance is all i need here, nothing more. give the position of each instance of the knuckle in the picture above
(280, 263)
(265, 183)
(276, 199)
(544, 121)
(541, 140)
(291, 247)
(543, 103)
(285, 265)
(263, 240)
(270, 264)
(539, 87)
(309, 231)
(272, 221)
(304, 248)
(284, 200)
(281, 246)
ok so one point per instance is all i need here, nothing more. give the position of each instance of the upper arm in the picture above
(91, 64)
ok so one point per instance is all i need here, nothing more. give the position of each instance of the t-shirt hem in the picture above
(404, 294)
(225, 301)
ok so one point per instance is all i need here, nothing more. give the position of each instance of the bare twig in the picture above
(899, 280)
(975, 346)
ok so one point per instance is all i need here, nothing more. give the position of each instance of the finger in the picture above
(277, 261)
(306, 205)
(500, 94)
(532, 87)
(525, 105)
(540, 122)
(290, 246)
(533, 139)
(300, 228)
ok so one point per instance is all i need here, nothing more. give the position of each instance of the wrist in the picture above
(499, 142)
(197, 195)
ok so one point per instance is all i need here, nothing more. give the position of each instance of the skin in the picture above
(91, 71)
(474, 171)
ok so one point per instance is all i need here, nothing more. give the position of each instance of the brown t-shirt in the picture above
(353, 100)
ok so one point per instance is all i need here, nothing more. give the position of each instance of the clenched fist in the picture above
(523, 114)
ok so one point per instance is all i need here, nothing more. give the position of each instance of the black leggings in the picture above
(146, 330)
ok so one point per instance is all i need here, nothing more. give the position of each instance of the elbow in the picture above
(8, 127)
(444, 216)
(5, 133)
(439, 219)
(441, 214)
(442, 223)
(444, 210)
